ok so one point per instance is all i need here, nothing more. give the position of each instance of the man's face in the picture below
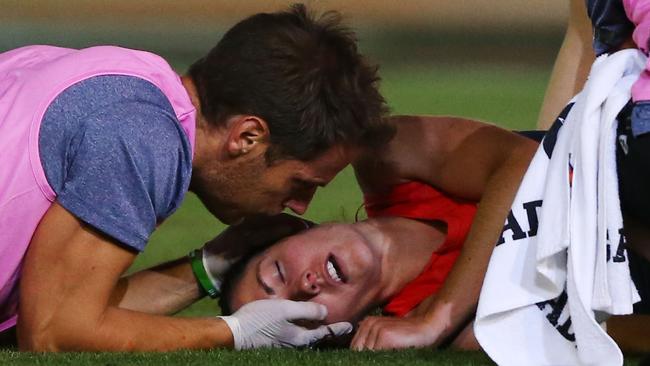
(253, 186)
(333, 265)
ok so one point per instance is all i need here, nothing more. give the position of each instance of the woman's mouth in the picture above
(334, 270)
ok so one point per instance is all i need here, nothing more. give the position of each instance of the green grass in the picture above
(256, 357)
(276, 357)
(507, 95)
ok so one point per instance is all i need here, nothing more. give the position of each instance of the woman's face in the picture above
(334, 265)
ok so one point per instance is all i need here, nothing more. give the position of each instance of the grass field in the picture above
(505, 95)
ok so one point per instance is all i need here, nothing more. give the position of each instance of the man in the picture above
(100, 145)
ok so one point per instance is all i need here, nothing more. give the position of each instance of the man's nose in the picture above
(310, 283)
(297, 206)
(300, 200)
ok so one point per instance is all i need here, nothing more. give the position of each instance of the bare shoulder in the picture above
(453, 154)
(420, 146)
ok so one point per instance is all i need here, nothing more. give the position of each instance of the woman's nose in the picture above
(310, 283)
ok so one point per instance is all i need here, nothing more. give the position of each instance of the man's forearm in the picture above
(158, 333)
(456, 302)
(68, 301)
(164, 289)
(124, 330)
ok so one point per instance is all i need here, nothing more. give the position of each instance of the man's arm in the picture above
(466, 159)
(69, 301)
(68, 278)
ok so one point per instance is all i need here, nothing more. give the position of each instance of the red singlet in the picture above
(419, 201)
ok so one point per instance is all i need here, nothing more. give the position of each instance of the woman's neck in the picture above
(406, 247)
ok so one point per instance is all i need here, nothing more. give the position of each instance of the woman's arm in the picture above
(163, 290)
(466, 159)
(170, 287)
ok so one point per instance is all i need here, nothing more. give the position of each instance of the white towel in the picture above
(549, 282)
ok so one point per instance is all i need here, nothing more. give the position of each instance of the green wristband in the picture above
(202, 278)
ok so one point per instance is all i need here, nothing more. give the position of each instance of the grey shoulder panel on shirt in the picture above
(112, 149)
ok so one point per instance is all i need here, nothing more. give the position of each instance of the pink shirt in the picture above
(638, 11)
(30, 79)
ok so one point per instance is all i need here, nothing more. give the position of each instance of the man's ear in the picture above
(247, 134)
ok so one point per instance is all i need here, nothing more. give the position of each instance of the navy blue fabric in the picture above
(116, 156)
(640, 123)
(610, 23)
(611, 28)
(535, 135)
(640, 272)
(633, 164)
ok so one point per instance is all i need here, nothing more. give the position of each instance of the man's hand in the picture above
(269, 323)
(383, 333)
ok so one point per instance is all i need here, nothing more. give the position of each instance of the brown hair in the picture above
(303, 76)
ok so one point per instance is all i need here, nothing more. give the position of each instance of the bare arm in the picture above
(168, 288)
(571, 65)
(69, 275)
(466, 159)
(506, 160)
(164, 289)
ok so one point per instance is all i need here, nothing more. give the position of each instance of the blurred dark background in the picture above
(513, 32)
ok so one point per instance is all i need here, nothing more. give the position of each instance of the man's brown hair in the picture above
(304, 76)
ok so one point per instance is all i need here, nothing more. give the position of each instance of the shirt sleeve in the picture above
(128, 171)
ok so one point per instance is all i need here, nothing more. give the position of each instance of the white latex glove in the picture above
(268, 323)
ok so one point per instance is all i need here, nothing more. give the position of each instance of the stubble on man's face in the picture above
(252, 185)
(226, 189)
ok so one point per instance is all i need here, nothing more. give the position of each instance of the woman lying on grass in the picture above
(398, 259)
(390, 261)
